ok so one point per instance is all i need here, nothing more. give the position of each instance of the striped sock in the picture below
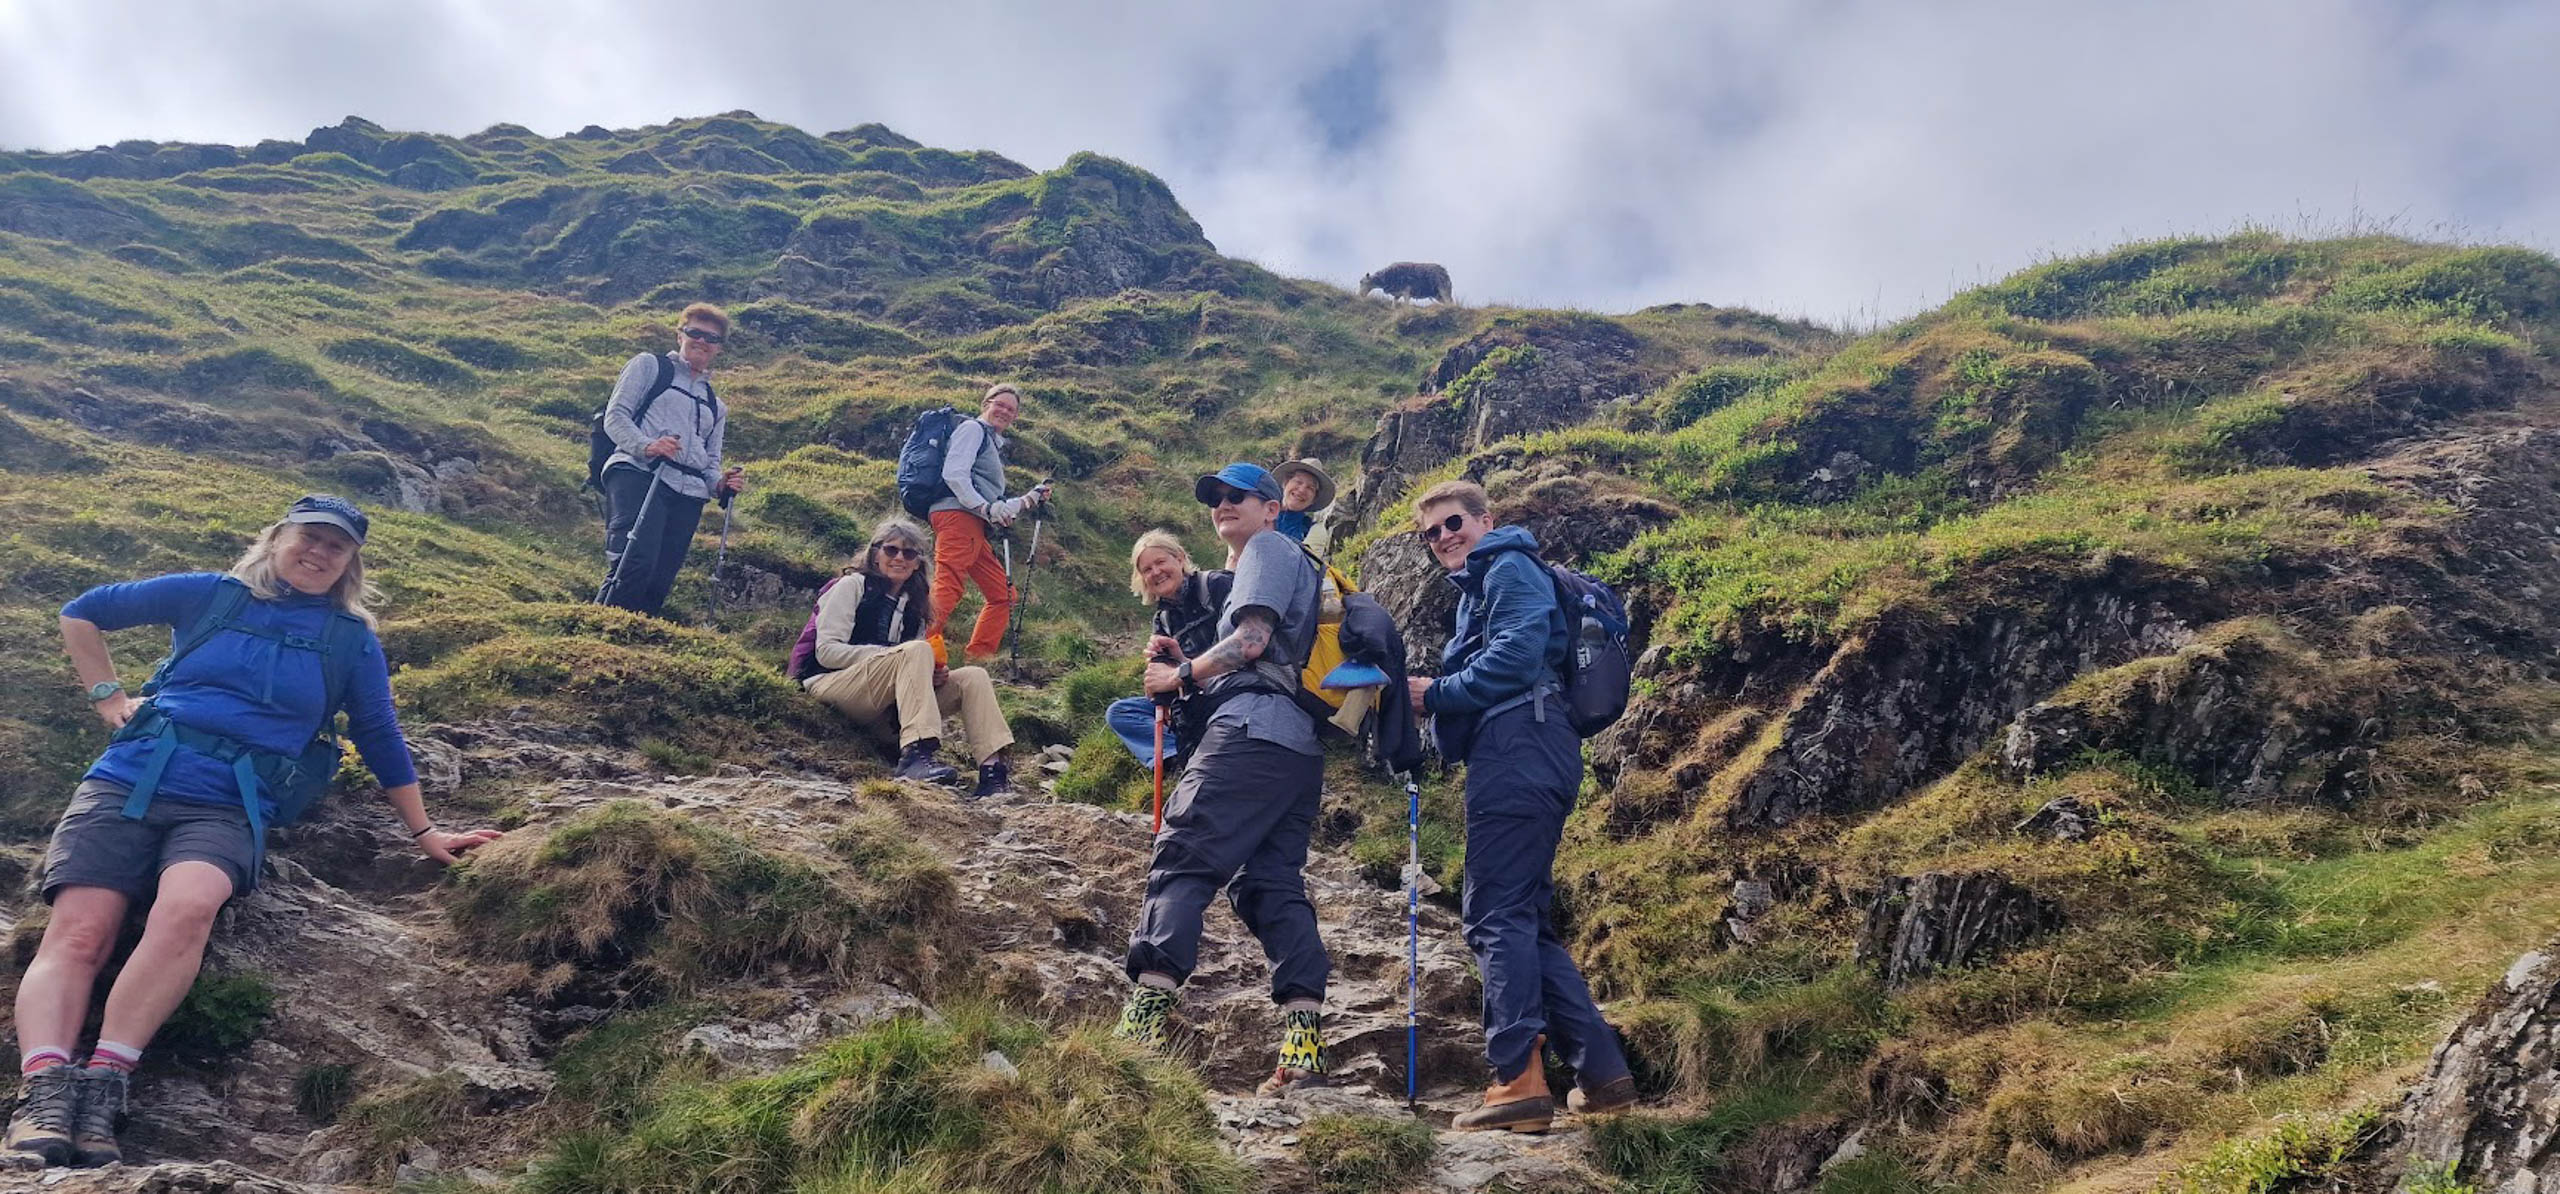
(43, 1057)
(115, 1055)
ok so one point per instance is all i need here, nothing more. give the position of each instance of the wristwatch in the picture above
(1182, 676)
(104, 689)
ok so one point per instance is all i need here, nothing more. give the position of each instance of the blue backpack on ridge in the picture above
(920, 482)
(1599, 670)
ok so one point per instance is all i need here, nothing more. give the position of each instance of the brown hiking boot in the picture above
(1284, 1079)
(47, 1109)
(93, 1134)
(1520, 1105)
(1616, 1094)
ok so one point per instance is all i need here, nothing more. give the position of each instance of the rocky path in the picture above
(365, 976)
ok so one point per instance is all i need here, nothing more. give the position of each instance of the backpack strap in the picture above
(662, 377)
(341, 649)
(219, 614)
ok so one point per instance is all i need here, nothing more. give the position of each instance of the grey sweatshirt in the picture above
(973, 466)
(688, 410)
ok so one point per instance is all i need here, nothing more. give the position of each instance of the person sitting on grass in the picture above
(864, 653)
(173, 815)
(1187, 601)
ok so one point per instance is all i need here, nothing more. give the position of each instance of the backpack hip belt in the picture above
(252, 769)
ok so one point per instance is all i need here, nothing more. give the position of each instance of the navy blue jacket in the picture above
(247, 688)
(1511, 635)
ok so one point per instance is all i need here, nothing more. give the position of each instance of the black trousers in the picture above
(1241, 820)
(648, 528)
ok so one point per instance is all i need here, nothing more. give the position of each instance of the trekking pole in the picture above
(1022, 592)
(1413, 940)
(728, 506)
(1164, 710)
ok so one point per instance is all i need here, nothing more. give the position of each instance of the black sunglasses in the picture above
(1446, 526)
(705, 337)
(893, 550)
(1224, 495)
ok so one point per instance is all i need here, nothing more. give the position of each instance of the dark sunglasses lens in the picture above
(1446, 526)
(705, 337)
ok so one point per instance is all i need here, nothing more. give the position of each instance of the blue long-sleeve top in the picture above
(244, 687)
(1511, 634)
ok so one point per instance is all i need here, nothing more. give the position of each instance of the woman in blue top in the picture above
(254, 688)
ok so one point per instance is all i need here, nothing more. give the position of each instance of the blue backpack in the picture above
(293, 783)
(920, 482)
(1599, 670)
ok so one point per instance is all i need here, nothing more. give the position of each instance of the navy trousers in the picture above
(648, 528)
(1240, 819)
(1522, 777)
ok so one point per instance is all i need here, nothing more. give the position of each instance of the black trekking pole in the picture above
(1022, 592)
(728, 507)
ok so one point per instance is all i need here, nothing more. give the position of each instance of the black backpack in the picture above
(1599, 671)
(600, 447)
(920, 482)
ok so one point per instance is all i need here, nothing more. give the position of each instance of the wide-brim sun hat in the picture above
(1324, 480)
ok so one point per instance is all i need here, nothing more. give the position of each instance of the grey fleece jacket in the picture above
(688, 410)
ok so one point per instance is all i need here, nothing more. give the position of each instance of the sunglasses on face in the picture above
(895, 552)
(1228, 496)
(705, 337)
(1446, 526)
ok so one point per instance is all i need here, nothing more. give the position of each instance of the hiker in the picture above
(1187, 602)
(666, 462)
(864, 653)
(973, 468)
(173, 815)
(1242, 815)
(1306, 492)
(1496, 706)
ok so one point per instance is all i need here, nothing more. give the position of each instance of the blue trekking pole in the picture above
(1413, 940)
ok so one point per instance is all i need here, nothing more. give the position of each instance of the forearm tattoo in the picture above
(1252, 636)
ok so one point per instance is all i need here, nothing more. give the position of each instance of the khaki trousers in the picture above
(898, 684)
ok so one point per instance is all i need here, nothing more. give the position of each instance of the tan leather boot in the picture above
(1520, 1105)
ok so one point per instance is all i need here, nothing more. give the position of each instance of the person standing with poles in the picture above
(973, 469)
(666, 428)
(1246, 807)
(1497, 705)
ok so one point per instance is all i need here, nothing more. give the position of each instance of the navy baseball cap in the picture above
(330, 511)
(1251, 478)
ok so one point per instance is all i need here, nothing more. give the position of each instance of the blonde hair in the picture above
(1162, 540)
(1469, 496)
(707, 314)
(256, 568)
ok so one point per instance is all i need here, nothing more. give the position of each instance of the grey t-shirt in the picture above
(1274, 574)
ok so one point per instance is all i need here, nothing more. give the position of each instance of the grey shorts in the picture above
(94, 846)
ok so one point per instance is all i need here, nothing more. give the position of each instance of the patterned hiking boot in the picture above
(1616, 1094)
(919, 763)
(1301, 1055)
(1147, 1018)
(47, 1111)
(102, 1106)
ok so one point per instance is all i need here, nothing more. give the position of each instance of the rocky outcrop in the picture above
(1920, 924)
(2490, 1102)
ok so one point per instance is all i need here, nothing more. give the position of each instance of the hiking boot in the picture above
(1616, 1094)
(1301, 1054)
(919, 763)
(995, 778)
(1520, 1105)
(1147, 1018)
(93, 1137)
(48, 1107)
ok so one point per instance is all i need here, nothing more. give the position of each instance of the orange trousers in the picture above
(961, 550)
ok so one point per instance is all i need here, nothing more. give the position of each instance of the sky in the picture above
(1846, 160)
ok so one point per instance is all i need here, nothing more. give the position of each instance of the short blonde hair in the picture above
(1469, 496)
(1162, 540)
(707, 314)
(256, 568)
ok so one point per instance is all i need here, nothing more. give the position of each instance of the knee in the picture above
(81, 941)
(189, 915)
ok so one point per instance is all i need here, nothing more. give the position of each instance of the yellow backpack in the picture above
(1326, 652)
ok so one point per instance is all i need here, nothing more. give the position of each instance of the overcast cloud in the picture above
(1843, 159)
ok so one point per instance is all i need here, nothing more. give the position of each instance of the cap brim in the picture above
(1353, 674)
(327, 519)
(1200, 488)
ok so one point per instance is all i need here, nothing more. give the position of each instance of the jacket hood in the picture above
(1495, 542)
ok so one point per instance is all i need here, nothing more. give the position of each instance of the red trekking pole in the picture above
(1160, 768)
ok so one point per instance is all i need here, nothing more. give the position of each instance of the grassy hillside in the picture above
(2094, 735)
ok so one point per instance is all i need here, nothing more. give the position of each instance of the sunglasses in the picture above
(1228, 495)
(1446, 526)
(705, 337)
(895, 552)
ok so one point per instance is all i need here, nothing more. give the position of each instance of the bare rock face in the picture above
(2490, 1102)
(1920, 924)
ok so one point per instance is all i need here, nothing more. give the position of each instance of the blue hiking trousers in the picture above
(1522, 777)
